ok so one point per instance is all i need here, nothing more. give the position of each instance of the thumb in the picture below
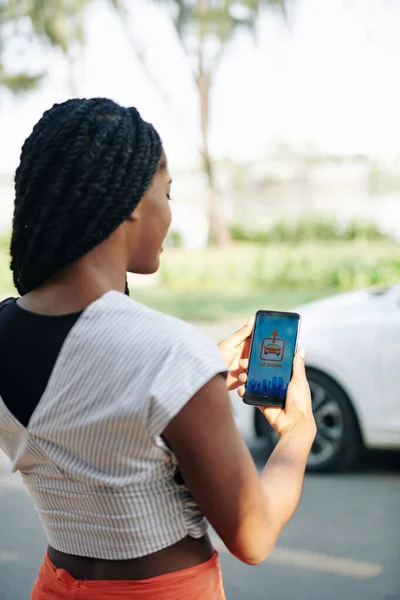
(243, 333)
(299, 370)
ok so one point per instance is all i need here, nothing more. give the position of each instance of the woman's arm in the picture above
(246, 509)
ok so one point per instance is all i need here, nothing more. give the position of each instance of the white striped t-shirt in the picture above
(100, 476)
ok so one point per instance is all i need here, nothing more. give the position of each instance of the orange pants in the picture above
(203, 582)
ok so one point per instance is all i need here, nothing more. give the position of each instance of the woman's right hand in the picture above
(298, 407)
(246, 509)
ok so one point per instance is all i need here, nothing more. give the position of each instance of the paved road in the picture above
(343, 543)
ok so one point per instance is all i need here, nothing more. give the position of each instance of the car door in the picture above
(389, 350)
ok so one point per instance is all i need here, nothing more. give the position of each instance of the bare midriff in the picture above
(188, 552)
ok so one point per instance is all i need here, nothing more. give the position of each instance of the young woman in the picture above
(118, 417)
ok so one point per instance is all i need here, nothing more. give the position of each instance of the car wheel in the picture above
(338, 439)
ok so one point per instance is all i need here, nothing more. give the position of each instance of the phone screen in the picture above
(271, 358)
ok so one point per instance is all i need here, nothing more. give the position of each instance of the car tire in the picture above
(338, 440)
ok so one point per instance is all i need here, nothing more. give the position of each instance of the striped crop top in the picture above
(92, 457)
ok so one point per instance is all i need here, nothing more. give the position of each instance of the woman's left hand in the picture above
(235, 351)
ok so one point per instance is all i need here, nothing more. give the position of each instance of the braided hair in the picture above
(83, 170)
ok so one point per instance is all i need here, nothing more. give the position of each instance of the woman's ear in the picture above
(134, 216)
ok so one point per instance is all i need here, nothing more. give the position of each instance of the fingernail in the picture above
(250, 321)
(302, 353)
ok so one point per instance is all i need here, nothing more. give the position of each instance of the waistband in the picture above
(201, 582)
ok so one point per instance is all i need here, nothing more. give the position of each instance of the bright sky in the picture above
(330, 78)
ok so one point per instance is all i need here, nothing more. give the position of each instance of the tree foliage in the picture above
(209, 25)
(57, 23)
(16, 82)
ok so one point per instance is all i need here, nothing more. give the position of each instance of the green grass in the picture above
(219, 306)
(4, 241)
(214, 284)
(6, 282)
(314, 267)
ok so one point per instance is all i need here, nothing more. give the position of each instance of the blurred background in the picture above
(280, 122)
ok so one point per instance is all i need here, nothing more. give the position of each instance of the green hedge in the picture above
(309, 230)
(314, 267)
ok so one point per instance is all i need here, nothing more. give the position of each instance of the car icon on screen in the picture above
(272, 349)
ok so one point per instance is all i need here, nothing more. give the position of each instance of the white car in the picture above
(352, 344)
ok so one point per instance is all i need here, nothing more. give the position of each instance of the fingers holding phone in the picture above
(235, 351)
(298, 406)
(276, 380)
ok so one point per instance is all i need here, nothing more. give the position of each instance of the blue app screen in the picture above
(272, 351)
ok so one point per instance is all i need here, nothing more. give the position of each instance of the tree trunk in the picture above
(217, 230)
(218, 233)
(72, 78)
(66, 27)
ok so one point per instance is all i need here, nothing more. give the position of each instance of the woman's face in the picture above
(149, 223)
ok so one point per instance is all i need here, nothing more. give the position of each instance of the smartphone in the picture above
(273, 346)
